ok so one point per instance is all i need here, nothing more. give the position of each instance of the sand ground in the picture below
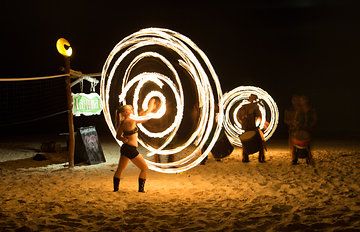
(219, 196)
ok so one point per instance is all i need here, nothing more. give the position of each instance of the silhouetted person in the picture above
(289, 119)
(301, 120)
(252, 139)
(207, 143)
(222, 147)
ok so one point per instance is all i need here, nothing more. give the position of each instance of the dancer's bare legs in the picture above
(141, 164)
(123, 162)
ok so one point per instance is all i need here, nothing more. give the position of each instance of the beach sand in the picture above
(219, 196)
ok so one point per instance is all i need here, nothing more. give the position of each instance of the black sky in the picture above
(283, 47)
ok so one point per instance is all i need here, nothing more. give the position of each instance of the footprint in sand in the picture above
(280, 208)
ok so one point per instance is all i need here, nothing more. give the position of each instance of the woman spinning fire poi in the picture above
(127, 132)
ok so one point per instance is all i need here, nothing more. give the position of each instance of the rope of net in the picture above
(33, 78)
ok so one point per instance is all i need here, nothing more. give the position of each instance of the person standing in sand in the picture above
(248, 116)
(127, 132)
(301, 120)
(289, 119)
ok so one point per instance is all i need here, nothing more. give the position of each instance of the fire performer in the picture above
(127, 132)
(252, 139)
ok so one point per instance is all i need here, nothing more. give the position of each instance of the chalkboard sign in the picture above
(87, 147)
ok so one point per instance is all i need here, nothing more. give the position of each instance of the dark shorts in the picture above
(128, 151)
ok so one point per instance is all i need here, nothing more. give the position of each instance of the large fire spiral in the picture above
(165, 65)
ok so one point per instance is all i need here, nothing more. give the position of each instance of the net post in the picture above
(70, 113)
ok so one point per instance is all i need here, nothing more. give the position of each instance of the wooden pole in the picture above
(71, 142)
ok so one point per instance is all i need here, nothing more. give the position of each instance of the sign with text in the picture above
(87, 147)
(86, 104)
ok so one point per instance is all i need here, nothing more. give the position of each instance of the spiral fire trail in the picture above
(164, 64)
(235, 99)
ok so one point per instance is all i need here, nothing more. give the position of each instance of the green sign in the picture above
(86, 104)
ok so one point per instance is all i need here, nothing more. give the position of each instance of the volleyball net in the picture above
(32, 99)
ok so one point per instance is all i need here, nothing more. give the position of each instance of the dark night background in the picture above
(283, 47)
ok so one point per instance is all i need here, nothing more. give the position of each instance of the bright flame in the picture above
(186, 52)
(235, 99)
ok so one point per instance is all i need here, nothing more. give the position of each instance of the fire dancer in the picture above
(252, 139)
(127, 132)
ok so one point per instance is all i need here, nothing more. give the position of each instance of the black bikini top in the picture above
(130, 132)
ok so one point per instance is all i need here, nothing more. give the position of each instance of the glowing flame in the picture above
(132, 50)
(235, 99)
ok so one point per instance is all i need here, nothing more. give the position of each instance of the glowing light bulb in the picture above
(63, 47)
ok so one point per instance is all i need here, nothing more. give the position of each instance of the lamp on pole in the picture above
(64, 48)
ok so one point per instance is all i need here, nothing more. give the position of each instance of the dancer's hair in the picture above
(118, 114)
